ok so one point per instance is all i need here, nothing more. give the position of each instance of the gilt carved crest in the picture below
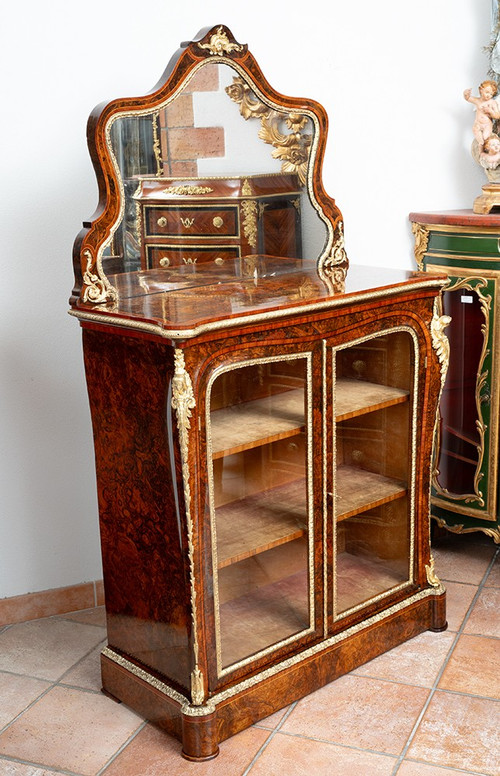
(220, 44)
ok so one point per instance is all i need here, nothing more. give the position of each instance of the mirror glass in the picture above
(212, 176)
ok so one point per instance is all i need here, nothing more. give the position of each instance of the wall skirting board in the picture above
(46, 603)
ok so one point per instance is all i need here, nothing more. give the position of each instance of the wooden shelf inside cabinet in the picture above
(260, 522)
(458, 435)
(359, 490)
(458, 457)
(243, 426)
(356, 397)
(262, 421)
(269, 611)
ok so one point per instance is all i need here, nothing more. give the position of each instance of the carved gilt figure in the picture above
(489, 157)
(487, 110)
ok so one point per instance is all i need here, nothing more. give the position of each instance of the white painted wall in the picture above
(391, 76)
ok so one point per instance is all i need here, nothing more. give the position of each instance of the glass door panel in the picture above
(461, 444)
(260, 503)
(373, 439)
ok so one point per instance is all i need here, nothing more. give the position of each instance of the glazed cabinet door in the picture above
(261, 458)
(465, 476)
(370, 488)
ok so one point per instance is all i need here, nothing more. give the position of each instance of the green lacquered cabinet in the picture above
(465, 471)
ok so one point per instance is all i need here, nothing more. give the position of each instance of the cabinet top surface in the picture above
(183, 303)
(457, 218)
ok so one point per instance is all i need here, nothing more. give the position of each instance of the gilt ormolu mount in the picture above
(263, 420)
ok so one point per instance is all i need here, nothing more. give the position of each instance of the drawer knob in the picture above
(162, 221)
(218, 222)
(165, 262)
(218, 261)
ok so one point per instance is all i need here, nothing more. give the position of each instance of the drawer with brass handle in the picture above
(191, 221)
(173, 256)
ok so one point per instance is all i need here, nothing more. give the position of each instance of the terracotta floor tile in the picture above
(296, 756)
(273, 720)
(46, 648)
(493, 579)
(87, 673)
(459, 731)
(70, 729)
(9, 768)
(473, 667)
(417, 661)
(158, 753)
(459, 561)
(95, 616)
(17, 692)
(360, 712)
(458, 599)
(409, 768)
(485, 617)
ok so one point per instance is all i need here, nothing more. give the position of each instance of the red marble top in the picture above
(457, 218)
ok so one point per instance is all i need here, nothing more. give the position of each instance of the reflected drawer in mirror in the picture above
(193, 221)
(179, 255)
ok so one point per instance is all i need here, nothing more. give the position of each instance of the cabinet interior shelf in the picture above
(359, 490)
(251, 424)
(260, 522)
(357, 397)
(285, 602)
(265, 520)
(460, 435)
(458, 457)
(262, 421)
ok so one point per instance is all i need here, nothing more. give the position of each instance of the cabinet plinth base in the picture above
(108, 695)
(201, 732)
(454, 522)
(199, 759)
(441, 629)
(199, 737)
(438, 615)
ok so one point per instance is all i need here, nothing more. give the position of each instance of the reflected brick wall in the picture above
(182, 144)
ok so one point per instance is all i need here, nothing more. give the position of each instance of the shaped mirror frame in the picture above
(128, 142)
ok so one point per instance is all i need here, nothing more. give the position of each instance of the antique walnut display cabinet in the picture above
(466, 245)
(263, 419)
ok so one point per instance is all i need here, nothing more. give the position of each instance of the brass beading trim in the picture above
(183, 334)
(316, 649)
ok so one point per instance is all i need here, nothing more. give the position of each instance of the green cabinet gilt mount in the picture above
(465, 472)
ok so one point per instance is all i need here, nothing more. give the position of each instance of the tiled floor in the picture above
(430, 707)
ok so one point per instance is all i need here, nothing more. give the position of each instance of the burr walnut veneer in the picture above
(263, 425)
